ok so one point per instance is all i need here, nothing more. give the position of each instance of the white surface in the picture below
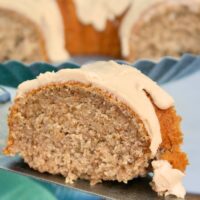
(186, 93)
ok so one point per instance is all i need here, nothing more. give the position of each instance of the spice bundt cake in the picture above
(129, 29)
(104, 121)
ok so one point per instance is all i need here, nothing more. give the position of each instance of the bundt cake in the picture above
(131, 29)
(104, 121)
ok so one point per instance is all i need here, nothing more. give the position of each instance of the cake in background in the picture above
(132, 29)
(92, 28)
(31, 31)
(105, 130)
(54, 30)
(166, 28)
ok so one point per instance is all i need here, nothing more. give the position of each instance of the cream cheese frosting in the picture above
(125, 82)
(167, 180)
(46, 14)
(99, 12)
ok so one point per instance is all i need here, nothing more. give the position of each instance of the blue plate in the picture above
(16, 187)
(12, 73)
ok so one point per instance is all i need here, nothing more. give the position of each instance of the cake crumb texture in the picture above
(81, 131)
(17, 42)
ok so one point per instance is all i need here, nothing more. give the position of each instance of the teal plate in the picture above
(16, 187)
(12, 73)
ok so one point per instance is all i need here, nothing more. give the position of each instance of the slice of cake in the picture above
(101, 122)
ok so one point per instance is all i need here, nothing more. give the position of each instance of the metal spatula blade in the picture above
(135, 190)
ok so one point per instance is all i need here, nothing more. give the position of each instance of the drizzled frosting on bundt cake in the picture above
(119, 24)
(46, 15)
(124, 82)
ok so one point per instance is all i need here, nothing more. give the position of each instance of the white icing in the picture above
(125, 82)
(98, 12)
(46, 14)
(167, 180)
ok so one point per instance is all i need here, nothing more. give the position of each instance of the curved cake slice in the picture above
(161, 29)
(104, 121)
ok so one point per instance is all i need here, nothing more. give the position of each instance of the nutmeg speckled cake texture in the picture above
(102, 122)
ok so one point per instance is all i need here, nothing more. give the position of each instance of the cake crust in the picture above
(172, 138)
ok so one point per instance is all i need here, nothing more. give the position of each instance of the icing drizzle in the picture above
(99, 12)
